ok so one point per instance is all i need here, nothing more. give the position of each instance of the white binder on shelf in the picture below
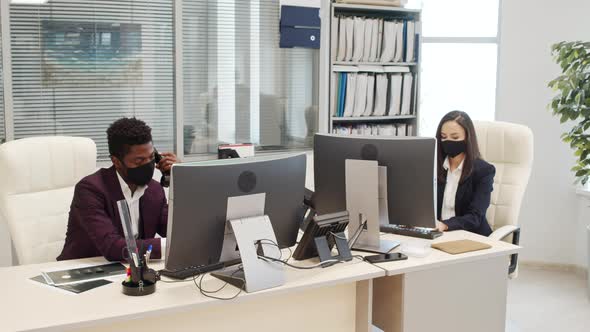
(358, 41)
(374, 43)
(399, 42)
(350, 94)
(408, 80)
(409, 129)
(370, 95)
(379, 39)
(387, 130)
(334, 38)
(341, 39)
(410, 36)
(395, 94)
(380, 95)
(368, 38)
(388, 50)
(349, 38)
(360, 99)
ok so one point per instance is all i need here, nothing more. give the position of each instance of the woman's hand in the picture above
(441, 227)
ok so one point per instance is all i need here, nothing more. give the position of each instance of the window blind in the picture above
(239, 86)
(80, 65)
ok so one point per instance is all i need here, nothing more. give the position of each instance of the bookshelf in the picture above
(364, 119)
(331, 117)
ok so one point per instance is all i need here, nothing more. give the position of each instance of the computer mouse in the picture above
(99, 270)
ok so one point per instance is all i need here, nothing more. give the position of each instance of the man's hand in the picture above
(168, 159)
(441, 227)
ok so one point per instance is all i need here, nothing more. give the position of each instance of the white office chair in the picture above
(39, 175)
(509, 147)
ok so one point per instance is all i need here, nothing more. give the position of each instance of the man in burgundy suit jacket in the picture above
(94, 225)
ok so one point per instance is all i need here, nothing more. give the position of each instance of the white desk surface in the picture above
(30, 306)
(438, 258)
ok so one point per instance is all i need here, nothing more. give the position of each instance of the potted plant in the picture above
(572, 103)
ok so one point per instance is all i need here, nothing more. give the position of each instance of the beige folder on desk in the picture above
(460, 246)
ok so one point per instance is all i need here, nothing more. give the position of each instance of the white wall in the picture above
(582, 249)
(528, 29)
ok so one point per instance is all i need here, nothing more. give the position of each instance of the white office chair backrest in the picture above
(509, 147)
(39, 175)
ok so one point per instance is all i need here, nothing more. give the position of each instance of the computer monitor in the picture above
(198, 203)
(411, 174)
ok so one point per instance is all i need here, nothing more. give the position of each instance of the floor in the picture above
(542, 300)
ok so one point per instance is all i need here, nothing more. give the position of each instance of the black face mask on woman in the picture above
(141, 175)
(454, 148)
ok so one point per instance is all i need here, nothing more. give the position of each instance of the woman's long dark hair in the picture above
(471, 152)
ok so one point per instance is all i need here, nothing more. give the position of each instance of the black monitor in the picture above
(198, 203)
(411, 174)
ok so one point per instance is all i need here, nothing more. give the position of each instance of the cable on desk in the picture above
(321, 264)
(206, 293)
(286, 261)
(271, 242)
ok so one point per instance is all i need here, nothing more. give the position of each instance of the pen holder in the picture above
(146, 284)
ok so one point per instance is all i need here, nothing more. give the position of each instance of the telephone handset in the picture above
(165, 180)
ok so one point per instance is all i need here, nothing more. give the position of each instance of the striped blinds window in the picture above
(78, 65)
(239, 86)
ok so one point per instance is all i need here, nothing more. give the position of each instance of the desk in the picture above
(344, 297)
(307, 302)
(444, 292)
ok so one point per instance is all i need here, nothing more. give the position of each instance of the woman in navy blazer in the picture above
(465, 181)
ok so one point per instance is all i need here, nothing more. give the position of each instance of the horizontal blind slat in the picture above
(80, 65)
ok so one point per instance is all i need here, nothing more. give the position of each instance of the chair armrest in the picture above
(503, 232)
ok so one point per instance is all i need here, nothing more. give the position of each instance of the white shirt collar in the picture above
(127, 191)
(447, 165)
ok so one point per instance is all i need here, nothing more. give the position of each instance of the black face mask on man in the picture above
(140, 175)
(454, 148)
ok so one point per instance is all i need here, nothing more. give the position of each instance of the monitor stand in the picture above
(254, 236)
(362, 202)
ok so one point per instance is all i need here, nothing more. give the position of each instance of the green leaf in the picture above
(563, 118)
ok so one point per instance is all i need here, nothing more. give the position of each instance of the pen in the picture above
(148, 254)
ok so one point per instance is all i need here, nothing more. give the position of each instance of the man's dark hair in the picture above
(126, 132)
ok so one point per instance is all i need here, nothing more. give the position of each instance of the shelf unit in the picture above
(394, 64)
(327, 63)
(365, 119)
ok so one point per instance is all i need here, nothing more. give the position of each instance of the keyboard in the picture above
(423, 233)
(191, 271)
